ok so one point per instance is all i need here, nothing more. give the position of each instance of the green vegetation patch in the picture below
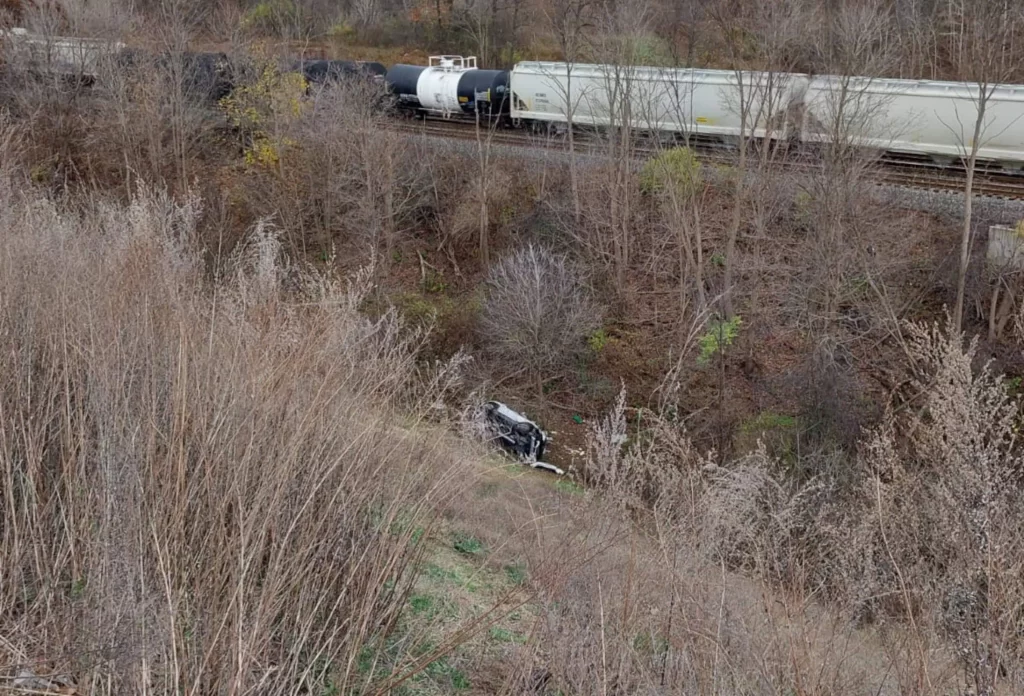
(720, 335)
(598, 340)
(446, 675)
(516, 573)
(467, 544)
(1013, 385)
(567, 486)
(430, 606)
(652, 50)
(504, 635)
(768, 420)
(258, 109)
(674, 171)
(777, 432)
(421, 603)
(421, 309)
(343, 31)
(270, 16)
(651, 644)
(434, 282)
(488, 490)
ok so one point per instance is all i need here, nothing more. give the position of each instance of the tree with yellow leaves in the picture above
(264, 109)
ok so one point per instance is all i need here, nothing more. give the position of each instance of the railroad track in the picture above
(985, 184)
(895, 171)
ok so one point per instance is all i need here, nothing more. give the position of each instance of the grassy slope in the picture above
(501, 565)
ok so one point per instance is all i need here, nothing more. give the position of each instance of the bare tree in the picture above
(683, 19)
(367, 12)
(538, 312)
(178, 22)
(844, 120)
(916, 26)
(94, 18)
(493, 25)
(570, 21)
(485, 128)
(841, 113)
(982, 46)
(758, 99)
(675, 179)
(623, 26)
(360, 174)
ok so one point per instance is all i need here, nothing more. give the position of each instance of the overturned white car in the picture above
(519, 435)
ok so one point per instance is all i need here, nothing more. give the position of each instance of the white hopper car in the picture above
(690, 101)
(63, 55)
(922, 117)
(929, 119)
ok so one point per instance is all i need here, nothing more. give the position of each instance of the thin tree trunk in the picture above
(738, 203)
(702, 300)
(574, 182)
(389, 215)
(965, 247)
(734, 228)
(483, 154)
(965, 239)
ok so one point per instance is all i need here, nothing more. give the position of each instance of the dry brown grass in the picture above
(198, 495)
(897, 573)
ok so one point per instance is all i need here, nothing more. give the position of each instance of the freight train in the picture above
(207, 76)
(928, 122)
(923, 121)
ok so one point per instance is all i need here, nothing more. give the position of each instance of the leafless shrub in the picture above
(584, 218)
(942, 506)
(830, 396)
(656, 474)
(648, 613)
(461, 220)
(11, 152)
(761, 519)
(538, 312)
(924, 528)
(258, 265)
(107, 18)
(606, 443)
(351, 181)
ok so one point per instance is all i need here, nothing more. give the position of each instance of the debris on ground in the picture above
(28, 681)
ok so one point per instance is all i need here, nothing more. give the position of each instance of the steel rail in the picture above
(892, 169)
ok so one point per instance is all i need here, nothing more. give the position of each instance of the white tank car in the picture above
(438, 85)
(449, 87)
(929, 119)
(699, 103)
